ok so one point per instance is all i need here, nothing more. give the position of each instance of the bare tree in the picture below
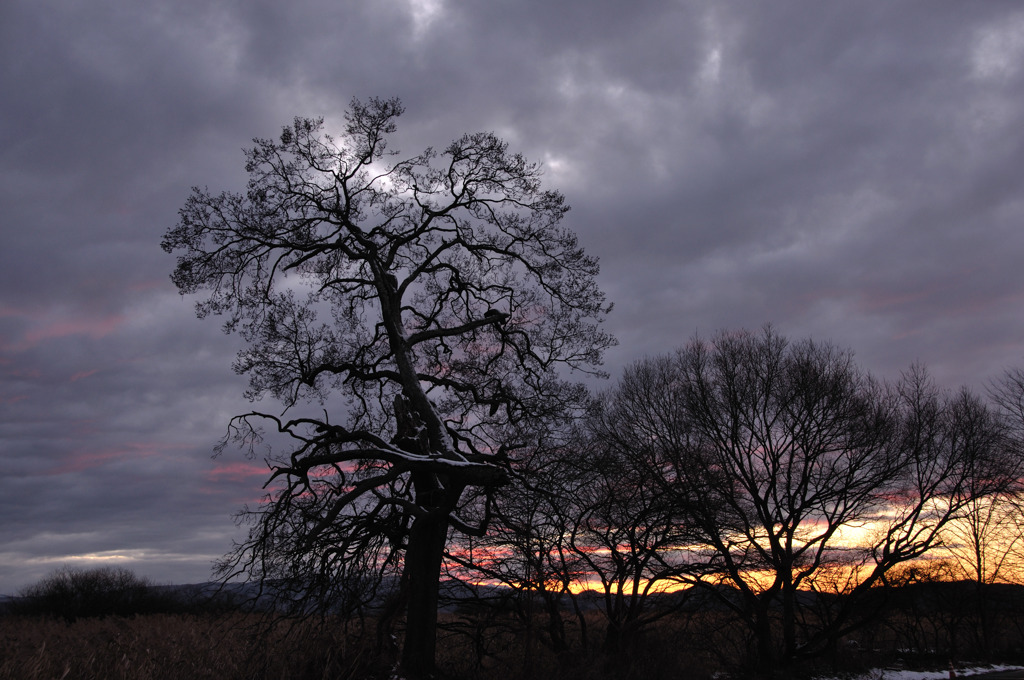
(527, 551)
(426, 301)
(586, 520)
(986, 541)
(1008, 395)
(72, 593)
(627, 526)
(793, 465)
(1008, 398)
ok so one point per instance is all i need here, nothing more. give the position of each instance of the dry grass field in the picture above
(923, 630)
(176, 646)
(164, 647)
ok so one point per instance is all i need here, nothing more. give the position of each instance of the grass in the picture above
(175, 646)
(166, 647)
(471, 646)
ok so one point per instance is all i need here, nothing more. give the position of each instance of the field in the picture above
(922, 630)
(176, 646)
(161, 647)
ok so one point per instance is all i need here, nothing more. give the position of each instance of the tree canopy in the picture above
(428, 304)
(791, 469)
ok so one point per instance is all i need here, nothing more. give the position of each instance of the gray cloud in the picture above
(850, 171)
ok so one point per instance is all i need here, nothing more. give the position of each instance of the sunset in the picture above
(371, 284)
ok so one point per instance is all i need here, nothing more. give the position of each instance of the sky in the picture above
(847, 171)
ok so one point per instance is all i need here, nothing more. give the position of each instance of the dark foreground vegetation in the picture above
(922, 622)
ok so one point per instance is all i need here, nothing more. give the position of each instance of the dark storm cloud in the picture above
(847, 170)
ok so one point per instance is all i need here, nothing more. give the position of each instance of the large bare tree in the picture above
(423, 302)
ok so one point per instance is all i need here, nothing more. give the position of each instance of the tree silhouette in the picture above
(796, 473)
(427, 302)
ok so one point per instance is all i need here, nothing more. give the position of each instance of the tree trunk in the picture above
(765, 644)
(788, 621)
(423, 566)
(613, 636)
(984, 620)
(556, 625)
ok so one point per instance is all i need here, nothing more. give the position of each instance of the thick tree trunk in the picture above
(423, 566)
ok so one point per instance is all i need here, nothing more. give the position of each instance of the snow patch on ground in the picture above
(894, 674)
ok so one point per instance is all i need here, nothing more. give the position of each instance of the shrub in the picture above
(71, 593)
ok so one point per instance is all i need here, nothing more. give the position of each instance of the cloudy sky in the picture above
(845, 170)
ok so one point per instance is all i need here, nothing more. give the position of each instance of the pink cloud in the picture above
(6, 310)
(78, 461)
(84, 374)
(147, 285)
(236, 472)
(24, 373)
(46, 325)
(94, 328)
